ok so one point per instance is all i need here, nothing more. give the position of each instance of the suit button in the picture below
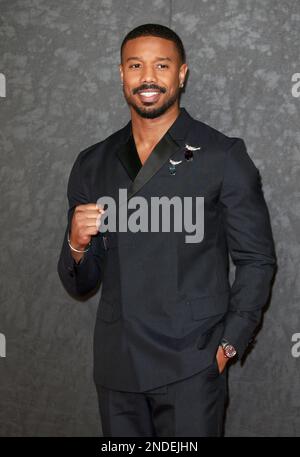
(201, 342)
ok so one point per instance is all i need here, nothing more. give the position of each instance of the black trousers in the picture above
(194, 406)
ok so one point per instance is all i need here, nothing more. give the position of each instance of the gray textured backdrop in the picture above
(60, 60)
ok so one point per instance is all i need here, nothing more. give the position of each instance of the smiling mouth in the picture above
(149, 95)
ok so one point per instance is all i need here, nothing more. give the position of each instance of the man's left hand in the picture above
(221, 359)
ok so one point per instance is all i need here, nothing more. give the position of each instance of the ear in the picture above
(182, 72)
(121, 71)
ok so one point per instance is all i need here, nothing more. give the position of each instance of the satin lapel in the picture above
(170, 144)
(160, 154)
(129, 157)
(127, 153)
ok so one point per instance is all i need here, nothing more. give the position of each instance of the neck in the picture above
(149, 131)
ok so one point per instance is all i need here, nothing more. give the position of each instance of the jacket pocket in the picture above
(204, 307)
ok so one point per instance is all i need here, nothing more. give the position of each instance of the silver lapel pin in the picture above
(172, 166)
(189, 152)
(192, 148)
(175, 162)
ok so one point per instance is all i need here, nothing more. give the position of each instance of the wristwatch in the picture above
(228, 349)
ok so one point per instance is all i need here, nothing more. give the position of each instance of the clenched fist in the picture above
(85, 223)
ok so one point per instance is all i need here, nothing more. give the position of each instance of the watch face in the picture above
(229, 351)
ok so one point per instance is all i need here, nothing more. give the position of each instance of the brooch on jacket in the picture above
(188, 155)
(172, 166)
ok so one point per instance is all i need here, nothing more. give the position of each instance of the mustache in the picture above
(149, 86)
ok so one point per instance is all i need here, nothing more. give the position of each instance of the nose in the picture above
(148, 74)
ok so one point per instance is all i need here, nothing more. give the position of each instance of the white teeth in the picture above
(148, 94)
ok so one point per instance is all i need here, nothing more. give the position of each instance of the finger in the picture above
(82, 216)
(89, 231)
(87, 206)
(92, 222)
(91, 213)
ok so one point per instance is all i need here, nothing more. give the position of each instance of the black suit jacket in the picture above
(165, 303)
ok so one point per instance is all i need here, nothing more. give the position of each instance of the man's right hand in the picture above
(85, 223)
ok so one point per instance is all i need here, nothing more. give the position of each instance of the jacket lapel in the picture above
(129, 157)
(170, 144)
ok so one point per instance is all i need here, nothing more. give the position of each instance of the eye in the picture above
(133, 65)
(163, 65)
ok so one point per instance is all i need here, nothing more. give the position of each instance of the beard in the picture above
(154, 112)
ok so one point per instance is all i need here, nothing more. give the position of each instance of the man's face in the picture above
(151, 72)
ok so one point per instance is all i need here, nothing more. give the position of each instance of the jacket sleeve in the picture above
(79, 278)
(250, 243)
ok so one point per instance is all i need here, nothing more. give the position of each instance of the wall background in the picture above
(63, 93)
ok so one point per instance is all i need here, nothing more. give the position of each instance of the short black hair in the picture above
(157, 30)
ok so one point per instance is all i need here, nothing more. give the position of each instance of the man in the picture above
(168, 320)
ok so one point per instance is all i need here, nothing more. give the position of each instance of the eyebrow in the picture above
(156, 58)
